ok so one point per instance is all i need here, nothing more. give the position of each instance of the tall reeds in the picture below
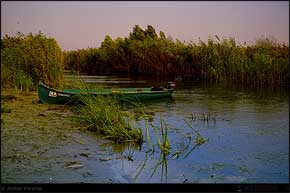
(26, 60)
(217, 60)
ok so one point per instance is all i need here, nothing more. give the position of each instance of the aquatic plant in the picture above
(166, 152)
(163, 141)
(104, 116)
(199, 140)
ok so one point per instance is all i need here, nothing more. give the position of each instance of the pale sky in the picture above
(81, 24)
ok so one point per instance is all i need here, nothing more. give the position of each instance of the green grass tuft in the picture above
(104, 116)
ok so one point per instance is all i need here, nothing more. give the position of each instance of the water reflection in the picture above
(167, 154)
(151, 159)
(162, 161)
(123, 150)
(248, 127)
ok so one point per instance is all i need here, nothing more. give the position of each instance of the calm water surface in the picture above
(247, 137)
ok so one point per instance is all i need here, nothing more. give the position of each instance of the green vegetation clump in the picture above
(26, 60)
(145, 52)
(104, 116)
(163, 142)
(199, 140)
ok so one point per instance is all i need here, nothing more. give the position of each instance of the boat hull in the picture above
(53, 96)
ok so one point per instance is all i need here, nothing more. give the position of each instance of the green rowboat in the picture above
(54, 96)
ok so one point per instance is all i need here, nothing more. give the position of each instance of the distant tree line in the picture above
(146, 53)
(26, 60)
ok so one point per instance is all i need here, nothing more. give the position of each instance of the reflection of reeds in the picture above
(162, 143)
(141, 166)
(163, 162)
(204, 117)
(191, 150)
(164, 146)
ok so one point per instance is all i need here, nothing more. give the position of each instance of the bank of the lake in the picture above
(40, 143)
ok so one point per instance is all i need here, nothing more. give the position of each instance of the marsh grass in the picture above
(199, 140)
(104, 116)
(261, 64)
(163, 141)
(166, 151)
(117, 120)
(23, 81)
(28, 59)
(75, 82)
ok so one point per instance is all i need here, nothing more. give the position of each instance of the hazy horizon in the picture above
(77, 25)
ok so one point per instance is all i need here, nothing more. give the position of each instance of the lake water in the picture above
(247, 135)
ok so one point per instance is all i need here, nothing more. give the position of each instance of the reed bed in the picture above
(143, 52)
(28, 59)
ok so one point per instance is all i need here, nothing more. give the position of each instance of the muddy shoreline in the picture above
(41, 143)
